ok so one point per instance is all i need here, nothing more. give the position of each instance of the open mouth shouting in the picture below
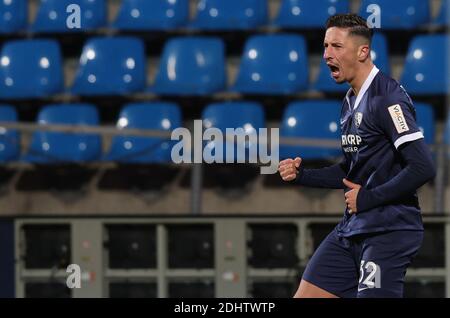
(335, 70)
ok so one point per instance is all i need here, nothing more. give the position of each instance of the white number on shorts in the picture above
(373, 278)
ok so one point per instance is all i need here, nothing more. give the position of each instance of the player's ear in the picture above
(363, 52)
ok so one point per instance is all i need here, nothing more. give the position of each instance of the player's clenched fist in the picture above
(288, 168)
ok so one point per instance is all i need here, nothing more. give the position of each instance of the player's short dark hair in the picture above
(356, 25)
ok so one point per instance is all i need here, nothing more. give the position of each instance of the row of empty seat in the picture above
(211, 14)
(306, 119)
(270, 65)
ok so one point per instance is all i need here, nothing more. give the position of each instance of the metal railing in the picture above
(441, 150)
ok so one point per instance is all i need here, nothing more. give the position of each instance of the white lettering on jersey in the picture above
(397, 117)
(351, 143)
(353, 140)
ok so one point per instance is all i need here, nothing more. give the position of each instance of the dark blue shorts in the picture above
(364, 265)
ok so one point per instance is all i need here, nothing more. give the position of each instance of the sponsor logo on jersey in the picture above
(398, 118)
(358, 119)
(350, 143)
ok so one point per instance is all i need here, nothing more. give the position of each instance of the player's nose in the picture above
(327, 54)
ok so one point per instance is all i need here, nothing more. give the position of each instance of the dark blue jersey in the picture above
(374, 126)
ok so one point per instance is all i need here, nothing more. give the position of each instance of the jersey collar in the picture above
(364, 88)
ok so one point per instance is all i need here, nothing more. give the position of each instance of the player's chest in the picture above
(357, 130)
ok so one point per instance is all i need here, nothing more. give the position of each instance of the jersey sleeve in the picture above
(398, 121)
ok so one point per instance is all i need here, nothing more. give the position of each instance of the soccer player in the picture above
(385, 161)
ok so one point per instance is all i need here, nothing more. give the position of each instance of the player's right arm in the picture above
(328, 177)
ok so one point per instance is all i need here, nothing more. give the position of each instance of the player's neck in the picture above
(360, 78)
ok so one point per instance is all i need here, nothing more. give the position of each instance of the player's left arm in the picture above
(397, 121)
(419, 169)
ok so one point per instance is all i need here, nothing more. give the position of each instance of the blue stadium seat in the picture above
(443, 18)
(157, 116)
(191, 66)
(13, 16)
(399, 14)
(9, 139)
(52, 147)
(425, 120)
(152, 15)
(246, 115)
(380, 57)
(52, 15)
(426, 67)
(308, 14)
(30, 68)
(111, 66)
(311, 119)
(273, 64)
(380, 53)
(230, 15)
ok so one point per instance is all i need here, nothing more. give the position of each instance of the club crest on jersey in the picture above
(358, 119)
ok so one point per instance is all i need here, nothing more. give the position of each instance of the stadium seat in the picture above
(111, 66)
(52, 15)
(230, 15)
(30, 68)
(380, 53)
(380, 57)
(157, 116)
(443, 17)
(308, 14)
(191, 66)
(140, 15)
(13, 16)
(425, 120)
(52, 147)
(426, 67)
(9, 139)
(246, 115)
(273, 64)
(311, 119)
(399, 14)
